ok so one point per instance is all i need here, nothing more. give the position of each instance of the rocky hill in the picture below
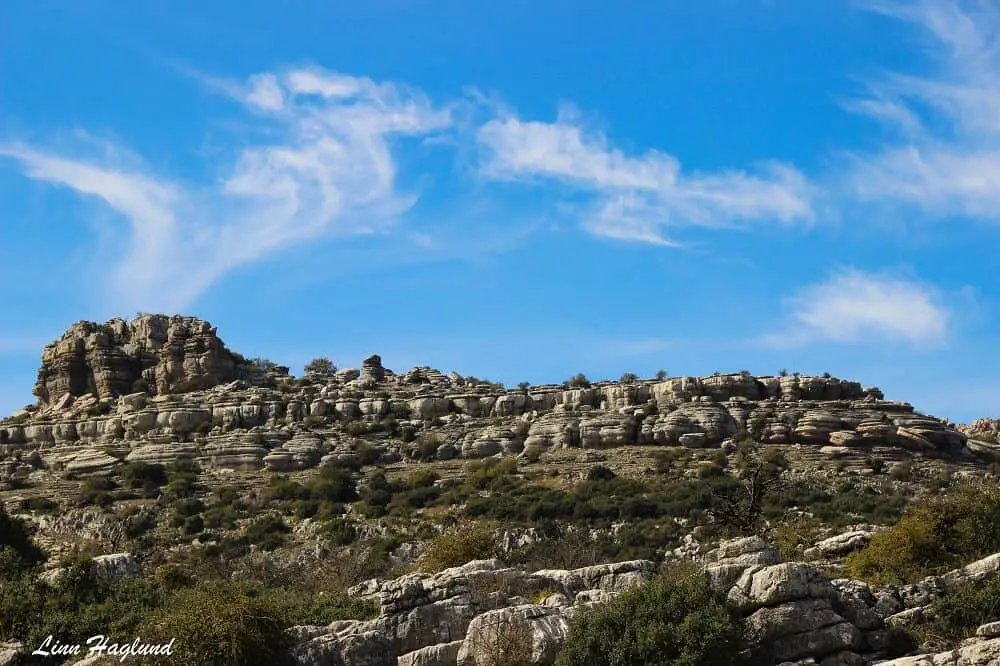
(422, 517)
(200, 400)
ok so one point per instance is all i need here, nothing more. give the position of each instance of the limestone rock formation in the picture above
(201, 401)
(169, 354)
(451, 617)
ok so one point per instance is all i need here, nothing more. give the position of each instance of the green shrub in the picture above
(876, 465)
(143, 475)
(321, 366)
(182, 479)
(75, 607)
(669, 621)
(267, 532)
(333, 483)
(458, 547)
(600, 473)
(966, 608)
(16, 538)
(341, 532)
(427, 447)
(295, 608)
(932, 537)
(219, 624)
(902, 471)
(39, 505)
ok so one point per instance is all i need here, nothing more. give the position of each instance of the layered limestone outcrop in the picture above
(198, 402)
(457, 617)
(169, 354)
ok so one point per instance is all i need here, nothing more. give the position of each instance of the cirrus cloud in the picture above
(639, 198)
(948, 159)
(326, 168)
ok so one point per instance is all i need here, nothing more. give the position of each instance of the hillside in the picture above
(178, 462)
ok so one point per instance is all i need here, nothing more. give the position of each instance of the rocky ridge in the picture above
(200, 402)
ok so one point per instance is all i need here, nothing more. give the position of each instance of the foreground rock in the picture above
(453, 616)
(974, 653)
(463, 615)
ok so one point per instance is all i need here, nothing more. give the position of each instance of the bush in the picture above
(267, 532)
(963, 610)
(321, 367)
(341, 532)
(932, 537)
(876, 465)
(456, 548)
(39, 505)
(578, 380)
(902, 471)
(219, 624)
(629, 378)
(661, 375)
(600, 473)
(143, 475)
(427, 447)
(677, 620)
(96, 491)
(15, 537)
(182, 478)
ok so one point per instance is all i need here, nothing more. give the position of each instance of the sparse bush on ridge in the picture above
(321, 367)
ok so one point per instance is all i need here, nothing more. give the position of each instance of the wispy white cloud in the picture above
(326, 168)
(949, 160)
(639, 198)
(853, 306)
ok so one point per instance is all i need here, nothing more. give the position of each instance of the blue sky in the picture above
(519, 191)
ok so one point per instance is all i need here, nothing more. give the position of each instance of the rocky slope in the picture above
(467, 615)
(200, 402)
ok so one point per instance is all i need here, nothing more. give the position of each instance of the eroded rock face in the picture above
(170, 354)
(199, 400)
(474, 613)
(454, 616)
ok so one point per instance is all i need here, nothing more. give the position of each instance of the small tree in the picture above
(782, 373)
(760, 478)
(578, 380)
(320, 367)
(524, 386)
(661, 374)
(629, 378)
